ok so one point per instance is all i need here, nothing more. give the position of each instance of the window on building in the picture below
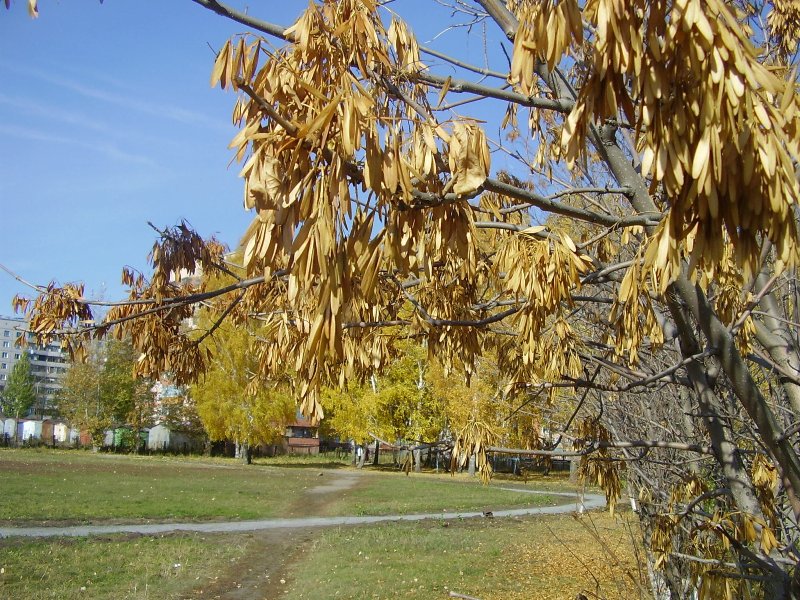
(2, 376)
(6, 344)
(6, 333)
(299, 432)
(3, 366)
(16, 355)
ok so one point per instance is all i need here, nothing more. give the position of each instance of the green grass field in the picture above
(77, 486)
(46, 486)
(543, 557)
(393, 493)
(112, 567)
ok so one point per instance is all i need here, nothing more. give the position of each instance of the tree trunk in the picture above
(780, 350)
(746, 389)
(777, 340)
(694, 303)
(573, 470)
(377, 450)
(711, 409)
(684, 398)
(243, 452)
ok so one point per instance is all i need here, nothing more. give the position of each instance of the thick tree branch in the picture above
(504, 18)
(745, 388)
(595, 445)
(644, 218)
(487, 91)
(245, 19)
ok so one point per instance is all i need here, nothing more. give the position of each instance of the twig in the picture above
(221, 318)
(753, 303)
(607, 549)
(19, 278)
(462, 64)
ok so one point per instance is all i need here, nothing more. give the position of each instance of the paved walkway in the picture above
(590, 501)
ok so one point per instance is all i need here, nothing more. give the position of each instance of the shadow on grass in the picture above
(533, 477)
(318, 465)
(386, 468)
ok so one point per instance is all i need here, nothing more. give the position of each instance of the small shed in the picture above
(9, 426)
(158, 439)
(165, 439)
(301, 437)
(124, 438)
(85, 438)
(31, 430)
(61, 433)
(48, 436)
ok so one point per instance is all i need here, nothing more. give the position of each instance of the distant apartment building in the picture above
(48, 363)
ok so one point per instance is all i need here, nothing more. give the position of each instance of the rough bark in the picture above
(711, 409)
(695, 303)
(774, 336)
(746, 390)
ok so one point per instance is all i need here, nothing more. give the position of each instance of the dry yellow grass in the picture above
(535, 558)
(567, 555)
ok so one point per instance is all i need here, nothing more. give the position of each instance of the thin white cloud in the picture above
(54, 114)
(81, 73)
(32, 108)
(174, 113)
(99, 147)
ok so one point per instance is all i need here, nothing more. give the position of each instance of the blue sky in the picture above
(107, 121)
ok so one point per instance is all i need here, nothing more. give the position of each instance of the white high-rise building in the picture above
(48, 363)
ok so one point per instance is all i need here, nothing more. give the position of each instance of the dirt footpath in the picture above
(262, 573)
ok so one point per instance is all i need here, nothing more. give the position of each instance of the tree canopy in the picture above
(227, 404)
(232, 402)
(635, 249)
(397, 406)
(78, 400)
(19, 394)
(104, 392)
